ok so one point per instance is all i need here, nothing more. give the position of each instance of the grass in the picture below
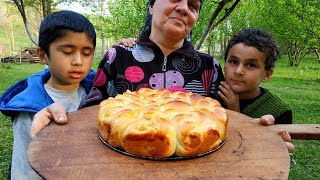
(299, 86)
(9, 74)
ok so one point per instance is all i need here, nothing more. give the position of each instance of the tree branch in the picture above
(20, 5)
(228, 12)
(213, 18)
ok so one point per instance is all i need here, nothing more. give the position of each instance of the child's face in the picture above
(70, 59)
(245, 70)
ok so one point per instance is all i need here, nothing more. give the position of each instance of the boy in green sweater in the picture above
(249, 60)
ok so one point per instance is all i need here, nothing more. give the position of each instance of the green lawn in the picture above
(299, 86)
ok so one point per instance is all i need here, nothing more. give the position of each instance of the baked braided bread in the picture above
(159, 123)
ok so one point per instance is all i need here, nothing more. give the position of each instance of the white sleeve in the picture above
(20, 167)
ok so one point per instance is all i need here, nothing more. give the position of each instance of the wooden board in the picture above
(74, 151)
(300, 131)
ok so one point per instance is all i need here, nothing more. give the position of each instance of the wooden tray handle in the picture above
(300, 131)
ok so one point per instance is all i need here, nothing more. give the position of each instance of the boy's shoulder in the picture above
(26, 95)
(37, 78)
(273, 97)
(270, 100)
(268, 103)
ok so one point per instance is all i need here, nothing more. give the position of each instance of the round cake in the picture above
(159, 123)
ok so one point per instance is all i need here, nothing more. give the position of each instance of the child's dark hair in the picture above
(259, 39)
(57, 24)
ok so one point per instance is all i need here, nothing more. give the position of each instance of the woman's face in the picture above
(175, 18)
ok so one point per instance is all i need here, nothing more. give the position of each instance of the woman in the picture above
(162, 58)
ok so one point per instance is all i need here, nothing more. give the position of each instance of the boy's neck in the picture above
(69, 87)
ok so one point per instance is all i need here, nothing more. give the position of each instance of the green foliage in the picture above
(9, 14)
(212, 14)
(126, 18)
(294, 23)
(207, 9)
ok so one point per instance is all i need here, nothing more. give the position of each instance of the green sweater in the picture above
(268, 103)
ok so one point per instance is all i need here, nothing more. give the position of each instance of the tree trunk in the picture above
(103, 44)
(21, 8)
(227, 14)
(221, 44)
(296, 53)
(34, 41)
(208, 48)
(213, 17)
(11, 34)
(103, 35)
(317, 51)
(225, 42)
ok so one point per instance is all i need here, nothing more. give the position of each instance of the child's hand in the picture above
(41, 119)
(230, 98)
(130, 42)
(267, 120)
(287, 139)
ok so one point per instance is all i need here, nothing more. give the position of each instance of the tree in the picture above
(6, 21)
(98, 17)
(126, 17)
(44, 5)
(294, 24)
(228, 6)
(300, 28)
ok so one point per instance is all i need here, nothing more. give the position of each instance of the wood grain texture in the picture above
(74, 151)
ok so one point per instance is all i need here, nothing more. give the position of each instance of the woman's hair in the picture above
(57, 24)
(146, 28)
(258, 39)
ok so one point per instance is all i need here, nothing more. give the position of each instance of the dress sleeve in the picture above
(103, 83)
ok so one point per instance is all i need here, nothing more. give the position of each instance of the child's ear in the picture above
(268, 75)
(42, 55)
(151, 9)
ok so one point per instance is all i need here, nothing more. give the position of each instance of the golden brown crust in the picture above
(158, 123)
(152, 138)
